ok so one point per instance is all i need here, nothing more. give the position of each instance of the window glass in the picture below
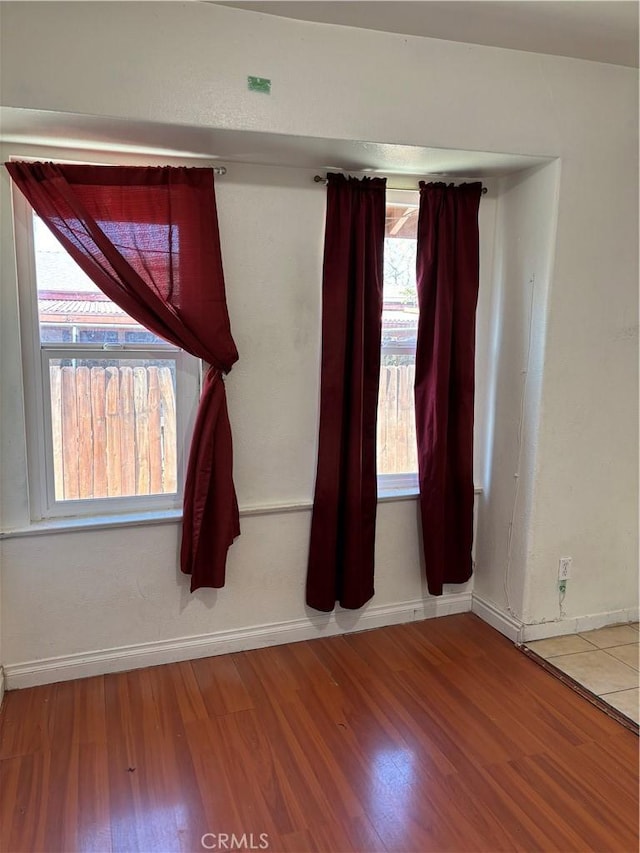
(68, 299)
(113, 427)
(397, 450)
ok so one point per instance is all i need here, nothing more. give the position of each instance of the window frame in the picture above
(35, 354)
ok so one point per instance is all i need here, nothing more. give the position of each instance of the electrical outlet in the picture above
(564, 569)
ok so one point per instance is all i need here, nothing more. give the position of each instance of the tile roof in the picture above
(86, 308)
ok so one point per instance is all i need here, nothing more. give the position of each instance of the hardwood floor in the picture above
(432, 736)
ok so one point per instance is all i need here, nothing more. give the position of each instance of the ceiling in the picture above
(600, 30)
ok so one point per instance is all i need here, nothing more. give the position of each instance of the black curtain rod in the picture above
(320, 180)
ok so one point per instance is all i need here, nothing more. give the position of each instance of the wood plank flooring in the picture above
(432, 736)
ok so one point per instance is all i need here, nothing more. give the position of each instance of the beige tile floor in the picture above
(604, 661)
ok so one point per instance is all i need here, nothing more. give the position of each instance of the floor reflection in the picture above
(391, 783)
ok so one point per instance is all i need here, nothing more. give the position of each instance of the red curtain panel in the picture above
(148, 237)
(447, 272)
(341, 553)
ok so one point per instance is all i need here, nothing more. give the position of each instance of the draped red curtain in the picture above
(447, 271)
(341, 553)
(148, 237)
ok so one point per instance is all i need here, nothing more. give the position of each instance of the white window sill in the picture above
(387, 495)
(173, 516)
(94, 522)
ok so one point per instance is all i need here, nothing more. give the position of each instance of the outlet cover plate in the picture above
(564, 568)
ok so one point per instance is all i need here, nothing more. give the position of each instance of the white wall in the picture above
(187, 63)
(271, 227)
(586, 499)
(524, 251)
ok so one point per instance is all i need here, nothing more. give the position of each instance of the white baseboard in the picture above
(497, 618)
(69, 667)
(521, 632)
(83, 665)
(578, 624)
(1, 685)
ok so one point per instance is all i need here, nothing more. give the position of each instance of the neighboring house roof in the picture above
(58, 307)
(80, 308)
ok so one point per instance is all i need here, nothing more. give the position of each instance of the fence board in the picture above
(69, 434)
(405, 414)
(155, 435)
(99, 432)
(112, 411)
(411, 430)
(381, 431)
(141, 412)
(85, 433)
(127, 437)
(169, 441)
(56, 430)
(391, 414)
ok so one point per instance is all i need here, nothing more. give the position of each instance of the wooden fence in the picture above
(113, 430)
(397, 451)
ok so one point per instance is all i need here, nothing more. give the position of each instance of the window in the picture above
(109, 404)
(397, 449)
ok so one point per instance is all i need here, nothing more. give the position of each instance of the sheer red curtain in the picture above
(447, 273)
(341, 553)
(148, 237)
